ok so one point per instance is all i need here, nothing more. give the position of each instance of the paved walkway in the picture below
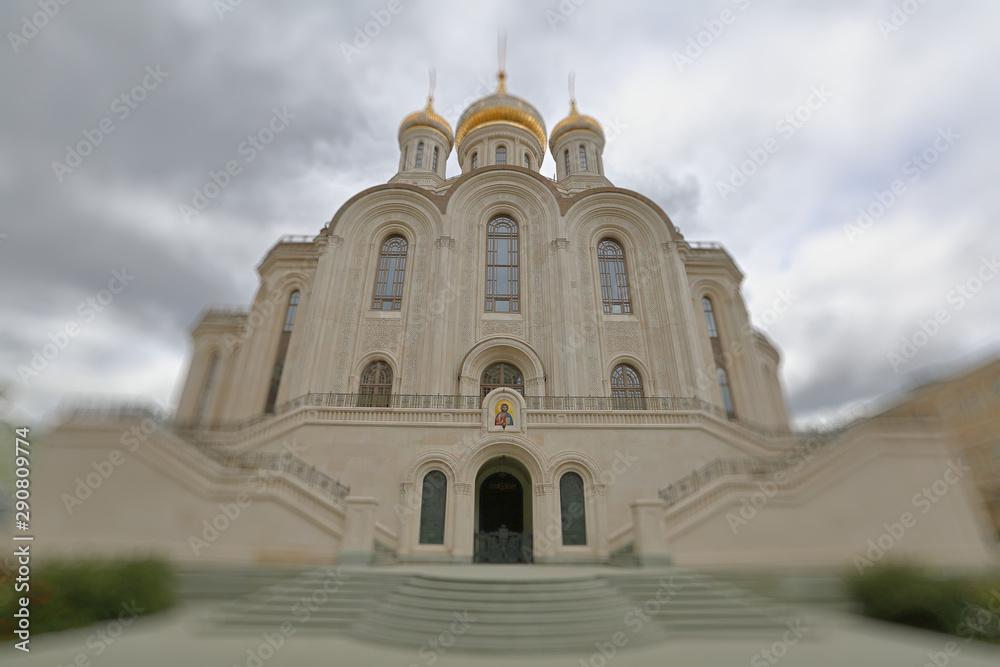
(174, 639)
(178, 639)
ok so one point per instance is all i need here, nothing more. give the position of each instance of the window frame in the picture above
(583, 158)
(372, 393)
(383, 292)
(419, 163)
(625, 396)
(613, 272)
(500, 154)
(284, 340)
(579, 536)
(485, 388)
(513, 267)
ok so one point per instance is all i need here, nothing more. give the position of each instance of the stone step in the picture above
(538, 615)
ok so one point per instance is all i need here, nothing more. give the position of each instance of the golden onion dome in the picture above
(574, 121)
(428, 118)
(501, 107)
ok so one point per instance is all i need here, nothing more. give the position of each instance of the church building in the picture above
(499, 366)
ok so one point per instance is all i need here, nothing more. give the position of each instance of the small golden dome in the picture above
(428, 118)
(574, 121)
(501, 107)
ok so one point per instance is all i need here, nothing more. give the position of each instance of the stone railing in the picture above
(460, 402)
(268, 463)
(806, 445)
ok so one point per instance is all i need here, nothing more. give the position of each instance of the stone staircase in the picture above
(501, 611)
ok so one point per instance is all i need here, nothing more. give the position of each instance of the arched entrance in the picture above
(503, 519)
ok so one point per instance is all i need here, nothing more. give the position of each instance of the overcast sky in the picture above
(687, 93)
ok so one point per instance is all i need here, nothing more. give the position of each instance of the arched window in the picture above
(434, 160)
(206, 387)
(502, 375)
(433, 503)
(614, 279)
(527, 161)
(573, 509)
(626, 388)
(583, 158)
(475, 160)
(727, 397)
(279, 358)
(376, 385)
(501, 155)
(389, 279)
(706, 304)
(420, 155)
(567, 161)
(502, 291)
(720, 366)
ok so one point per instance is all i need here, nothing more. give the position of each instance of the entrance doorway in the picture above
(503, 513)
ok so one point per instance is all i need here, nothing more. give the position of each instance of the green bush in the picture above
(70, 594)
(908, 595)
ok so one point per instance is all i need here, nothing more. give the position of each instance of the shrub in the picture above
(70, 594)
(908, 595)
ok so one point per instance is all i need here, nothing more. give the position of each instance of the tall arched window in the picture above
(720, 366)
(501, 155)
(475, 160)
(713, 330)
(420, 155)
(626, 388)
(376, 385)
(391, 270)
(567, 161)
(279, 358)
(527, 161)
(502, 375)
(502, 291)
(727, 397)
(434, 160)
(614, 279)
(573, 509)
(433, 503)
(206, 387)
(583, 158)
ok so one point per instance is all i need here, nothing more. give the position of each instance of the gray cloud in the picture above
(682, 131)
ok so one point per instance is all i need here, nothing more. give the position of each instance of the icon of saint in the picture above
(504, 418)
